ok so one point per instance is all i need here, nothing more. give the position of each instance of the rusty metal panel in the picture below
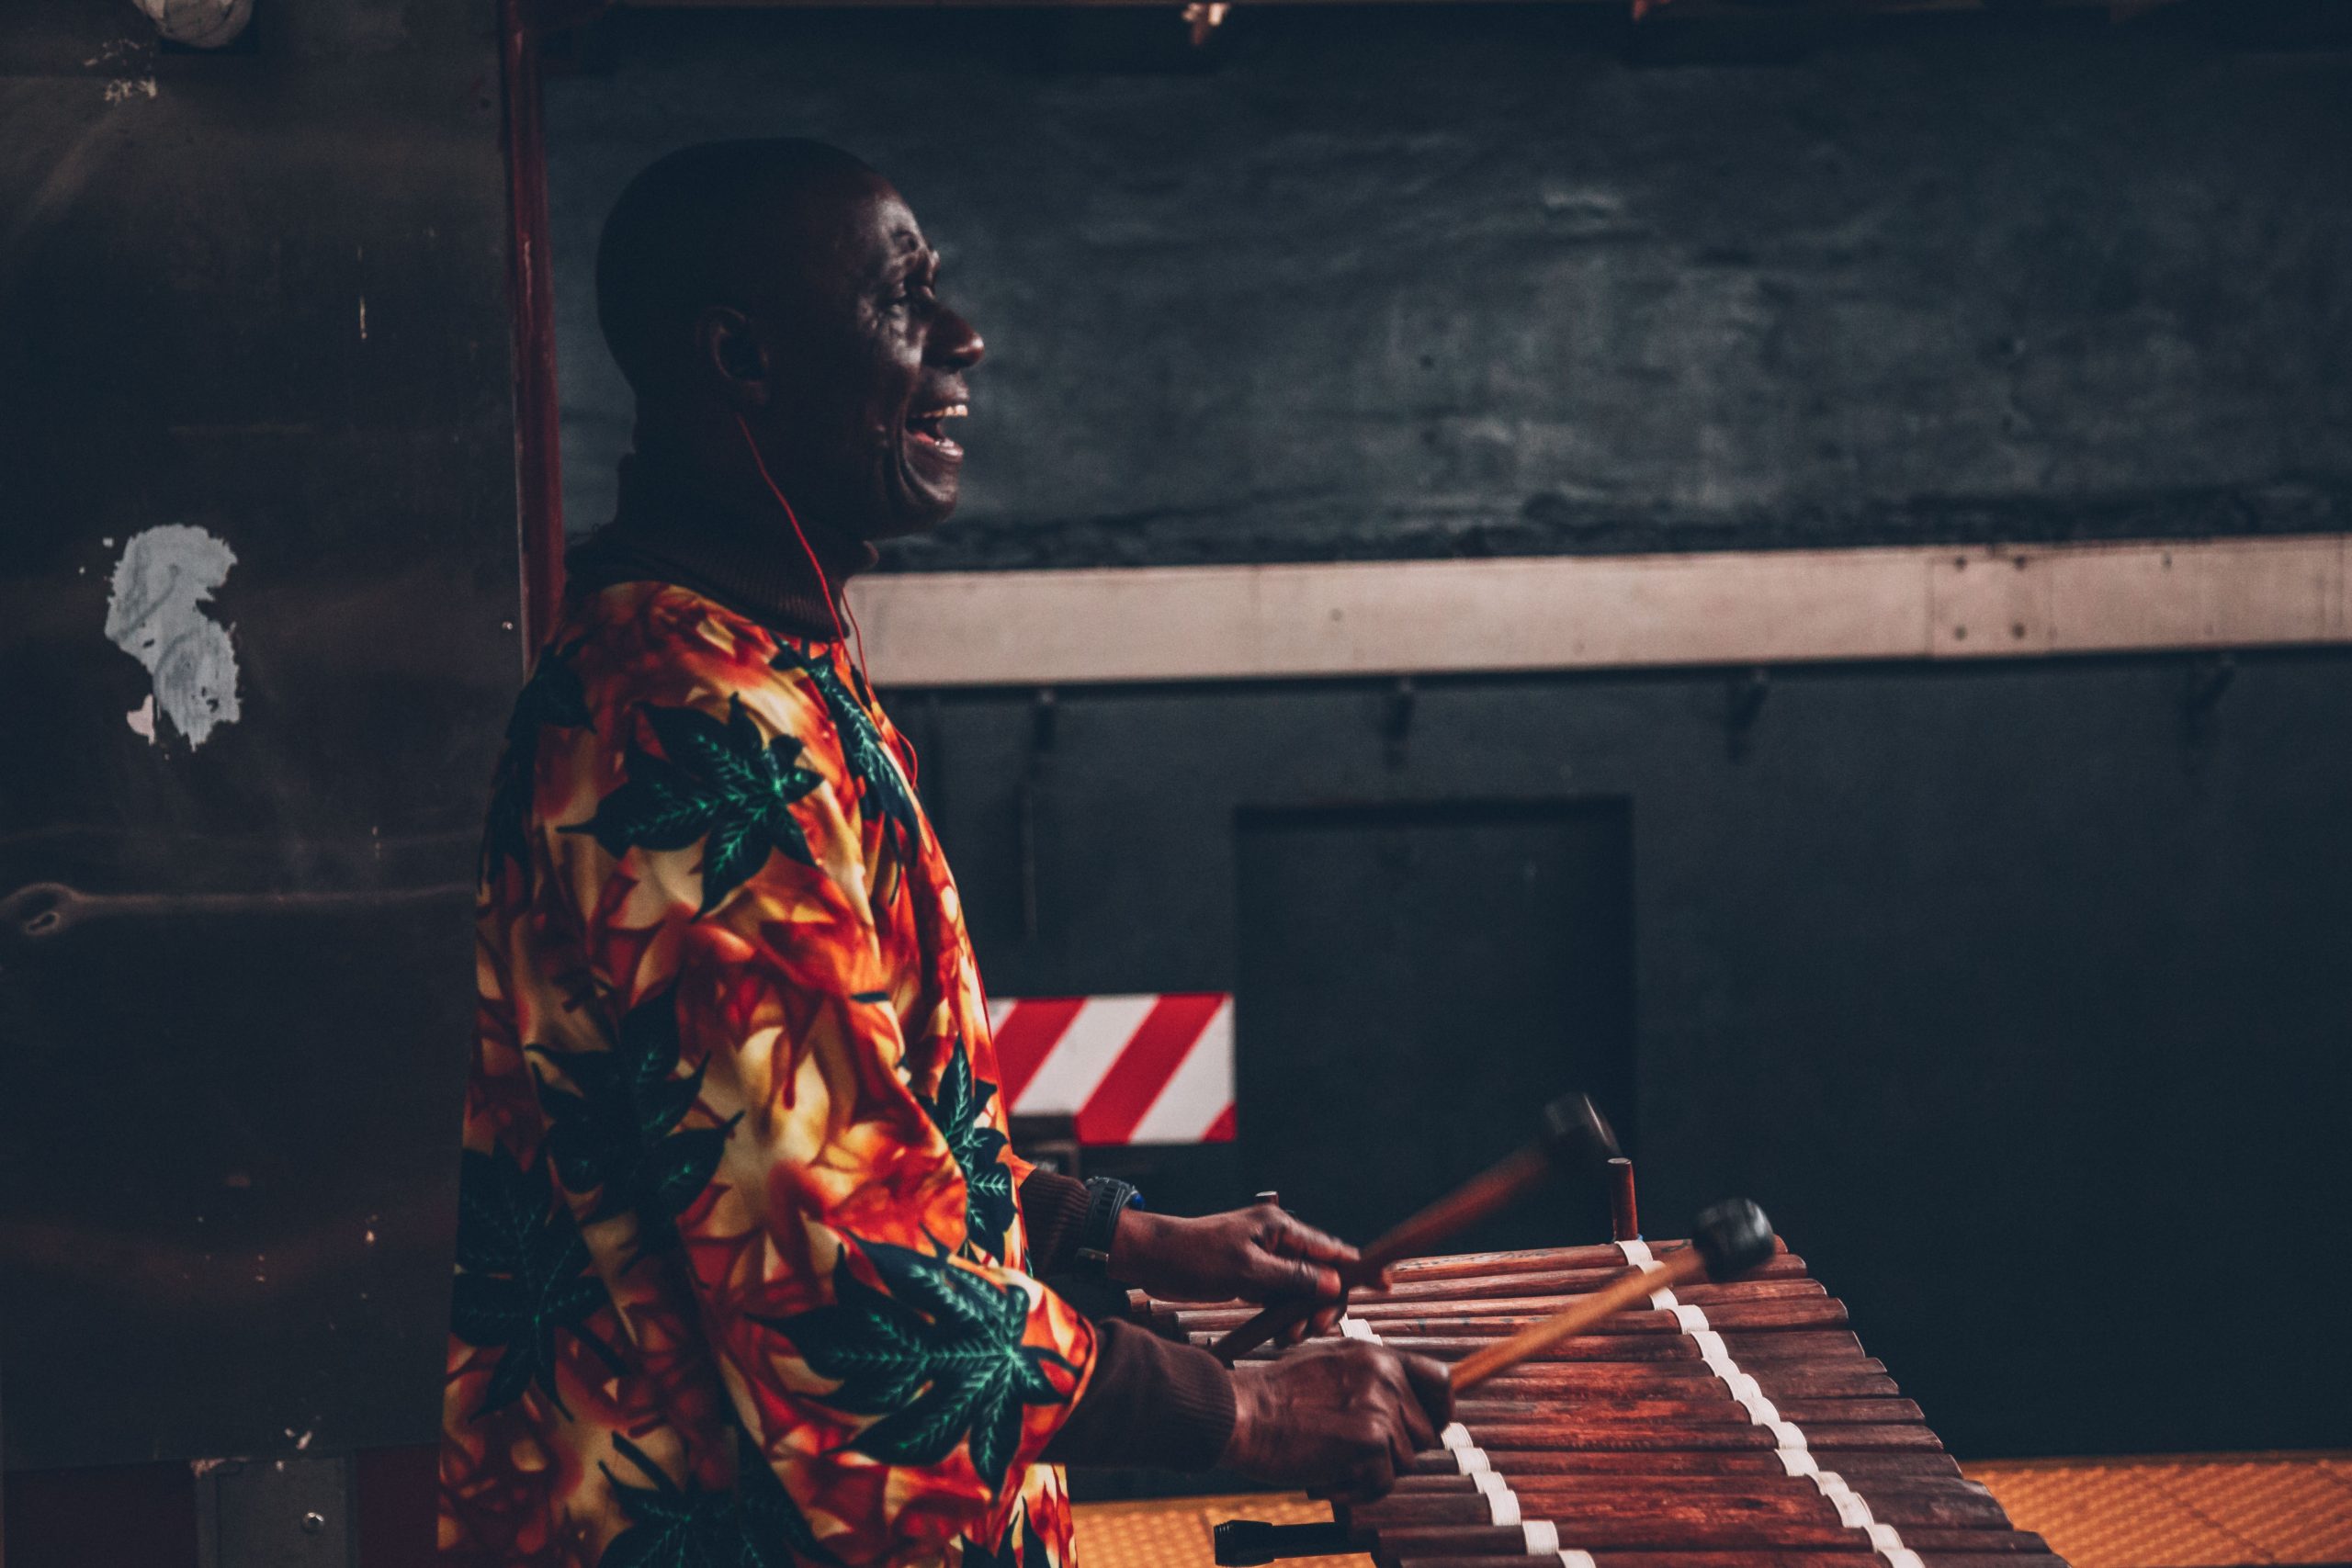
(283, 1513)
(258, 596)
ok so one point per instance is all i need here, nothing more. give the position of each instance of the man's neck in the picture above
(682, 522)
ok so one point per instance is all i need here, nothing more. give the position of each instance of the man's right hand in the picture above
(1341, 1418)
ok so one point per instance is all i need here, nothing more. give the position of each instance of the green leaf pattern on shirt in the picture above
(939, 1358)
(718, 783)
(554, 694)
(961, 1117)
(524, 1277)
(862, 748)
(614, 1132)
(757, 1525)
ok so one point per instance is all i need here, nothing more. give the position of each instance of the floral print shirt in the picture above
(740, 1257)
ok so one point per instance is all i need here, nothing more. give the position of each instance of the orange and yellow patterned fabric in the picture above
(739, 1270)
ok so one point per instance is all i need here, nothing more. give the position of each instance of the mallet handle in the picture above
(1680, 1268)
(1480, 1198)
(1484, 1195)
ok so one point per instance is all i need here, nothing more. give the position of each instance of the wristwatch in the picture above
(1107, 1198)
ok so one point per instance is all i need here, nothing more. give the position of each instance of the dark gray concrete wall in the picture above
(1402, 282)
(261, 296)
(2015, 992)
(2017, 995)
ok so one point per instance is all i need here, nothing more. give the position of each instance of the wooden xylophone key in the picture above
(1538, 1298)
(2016, 1549)
(1433, 1469)
(1729, 1239)
(1858, 1378)
(1781, 1276)
(1904, 1501)
(2023, 1557)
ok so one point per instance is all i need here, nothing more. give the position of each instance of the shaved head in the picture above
(776, 309)
(706, 225)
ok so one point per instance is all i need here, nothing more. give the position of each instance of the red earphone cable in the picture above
(854, 637)
(824, 583)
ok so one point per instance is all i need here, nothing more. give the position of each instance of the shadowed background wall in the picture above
(2012, 991)
(260, 294)
(1447, 280)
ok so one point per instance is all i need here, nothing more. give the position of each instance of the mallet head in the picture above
(1732, 1237)
(1576, 1136)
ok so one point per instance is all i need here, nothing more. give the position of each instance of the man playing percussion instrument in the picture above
(747, 1273)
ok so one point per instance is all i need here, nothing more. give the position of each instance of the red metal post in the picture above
(538, 463)
(1624, 1220)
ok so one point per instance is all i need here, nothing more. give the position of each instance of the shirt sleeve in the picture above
(1053, 1212)
(1149, 1402)
(771, 1174)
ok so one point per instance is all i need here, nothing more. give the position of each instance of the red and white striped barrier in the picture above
(1141, 1069)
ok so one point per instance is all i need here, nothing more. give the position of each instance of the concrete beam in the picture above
(1601, 612)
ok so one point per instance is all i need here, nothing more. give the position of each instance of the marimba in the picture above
(1719, 1425)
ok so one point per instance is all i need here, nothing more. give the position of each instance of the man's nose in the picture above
(954, 342)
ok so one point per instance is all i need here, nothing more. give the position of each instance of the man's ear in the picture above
(732, 351)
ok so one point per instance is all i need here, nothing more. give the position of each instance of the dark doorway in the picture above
(1413, 982)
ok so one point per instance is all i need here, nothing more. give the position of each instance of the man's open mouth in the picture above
(929, 427)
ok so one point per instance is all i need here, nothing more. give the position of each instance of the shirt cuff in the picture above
(1053, 1215)
(1149, 1401)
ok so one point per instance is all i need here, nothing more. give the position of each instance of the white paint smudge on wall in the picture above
(163, 579)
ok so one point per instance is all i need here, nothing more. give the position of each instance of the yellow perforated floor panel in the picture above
(1173, 1532)
(2182, 1513)
(2206, 1512)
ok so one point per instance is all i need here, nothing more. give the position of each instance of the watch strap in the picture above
(1107, 1198)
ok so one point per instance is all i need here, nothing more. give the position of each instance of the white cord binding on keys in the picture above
(1637, 1253)
(1788, 1441)
(1577, 1560)
(1502, 1502)
(1542, 1535)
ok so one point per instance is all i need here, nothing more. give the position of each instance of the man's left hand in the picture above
(1257, 1254)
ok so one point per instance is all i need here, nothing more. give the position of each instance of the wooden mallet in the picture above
(1728, 1240)
(1573, 1136)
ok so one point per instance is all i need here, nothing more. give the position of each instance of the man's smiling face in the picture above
(867, 366)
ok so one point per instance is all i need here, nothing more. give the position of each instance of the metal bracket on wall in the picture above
(39, 912)
(1204, 17)
(1397, 727)
(280, 1512)
(1990, 603)
(1743, 705)
(1044, 720)
(2206, 677)
(931, 760)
